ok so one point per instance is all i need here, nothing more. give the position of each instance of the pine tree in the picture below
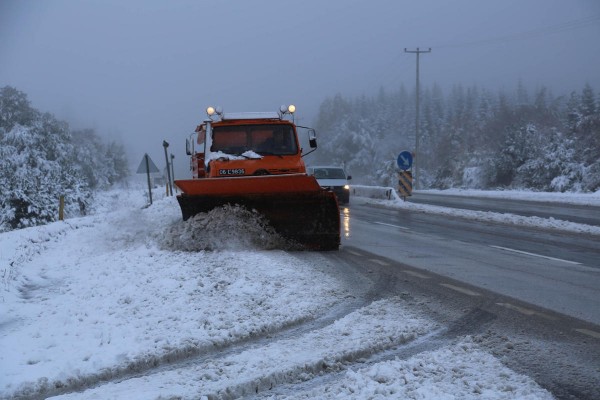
(588, 102)
(15, 109)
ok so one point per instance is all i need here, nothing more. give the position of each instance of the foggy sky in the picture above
(143, 71)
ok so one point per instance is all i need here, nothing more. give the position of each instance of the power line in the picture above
(531, 34)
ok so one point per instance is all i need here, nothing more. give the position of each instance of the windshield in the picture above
(262, 139)
(329, 173)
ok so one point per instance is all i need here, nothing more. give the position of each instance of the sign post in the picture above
(173, 174)
(405, 178)
(147, 166)
(169, 184)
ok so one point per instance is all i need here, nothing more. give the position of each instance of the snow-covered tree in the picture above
(14, 109)
(470, 138)
(588, 101)
(40, 161)
(33, 180)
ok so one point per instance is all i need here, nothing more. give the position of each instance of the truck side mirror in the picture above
(312, 138)
(349, 177)
(188, 147)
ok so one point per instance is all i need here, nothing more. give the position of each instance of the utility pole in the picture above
(416, 157)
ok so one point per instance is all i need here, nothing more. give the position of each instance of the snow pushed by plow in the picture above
(225, 228)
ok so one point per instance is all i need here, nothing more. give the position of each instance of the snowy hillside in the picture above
(116, 303)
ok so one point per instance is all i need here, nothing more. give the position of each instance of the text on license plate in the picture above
(236, 171)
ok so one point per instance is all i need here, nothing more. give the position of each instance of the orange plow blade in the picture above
(295, 205)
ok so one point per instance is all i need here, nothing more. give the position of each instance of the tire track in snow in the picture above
(440, 337)
(246, 370)
(183, 357)
(191, 356)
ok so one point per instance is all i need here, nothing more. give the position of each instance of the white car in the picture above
(333, 178)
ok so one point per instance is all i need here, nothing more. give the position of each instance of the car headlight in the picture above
(346, 187)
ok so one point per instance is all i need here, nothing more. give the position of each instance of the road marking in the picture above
(380, 262)
(393, 226)
(460, 289)
(522, 310)
(354, 253)
(536, 255)
(588, 332)
(418, 275)
(526, 311)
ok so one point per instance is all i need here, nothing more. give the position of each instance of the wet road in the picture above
(554, 270)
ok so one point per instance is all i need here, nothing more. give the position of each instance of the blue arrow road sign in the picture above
(405, 160)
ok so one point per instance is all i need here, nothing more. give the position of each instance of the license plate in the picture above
(236, 171)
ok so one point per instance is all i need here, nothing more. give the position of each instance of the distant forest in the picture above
(469, 138)
(41, 159)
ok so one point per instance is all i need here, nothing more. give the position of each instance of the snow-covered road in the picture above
(115, 305)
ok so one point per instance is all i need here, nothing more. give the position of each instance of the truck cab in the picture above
(247, 144)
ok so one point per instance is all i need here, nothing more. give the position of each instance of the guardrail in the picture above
(375, 192)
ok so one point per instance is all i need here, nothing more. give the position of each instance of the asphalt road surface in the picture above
(555, 270)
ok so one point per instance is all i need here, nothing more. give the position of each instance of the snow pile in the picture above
(224, 228)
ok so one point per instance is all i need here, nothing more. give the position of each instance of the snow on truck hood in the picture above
(244, 156)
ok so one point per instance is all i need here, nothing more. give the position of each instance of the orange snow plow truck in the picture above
(255, 160)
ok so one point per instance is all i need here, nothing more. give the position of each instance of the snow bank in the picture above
(389, 193)
(591, 199)
(378, 194)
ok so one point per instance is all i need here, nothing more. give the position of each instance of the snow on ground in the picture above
(119, 292)
(377, 326)
(460, 371)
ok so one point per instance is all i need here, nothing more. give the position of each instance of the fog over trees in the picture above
(469, 138)
(41, 160)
